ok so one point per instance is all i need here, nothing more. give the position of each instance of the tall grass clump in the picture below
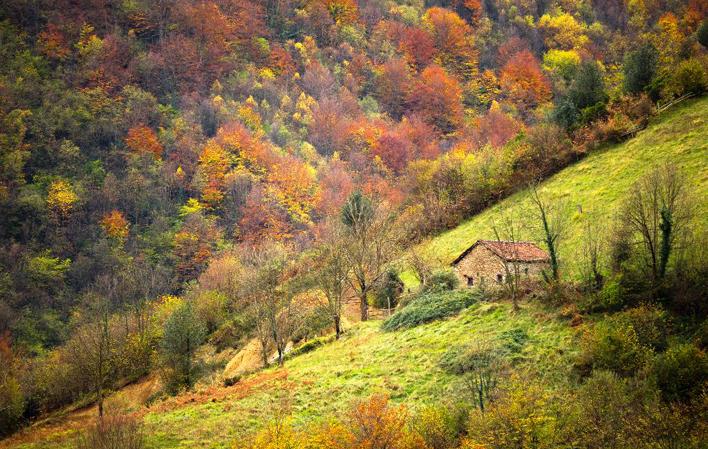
(430, 306)
(113, 432)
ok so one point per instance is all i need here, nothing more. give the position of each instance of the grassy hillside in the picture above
(598, 183)
(403, 364)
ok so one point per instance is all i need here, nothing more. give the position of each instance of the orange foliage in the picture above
(342, 11)
(143, 140)
(294, 185)
(193, 246)
(453, 39)
(52, 43)
(523, 82)
(437, 97)
(115, 225)
(247, 150)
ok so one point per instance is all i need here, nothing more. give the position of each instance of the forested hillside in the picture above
(180, 180)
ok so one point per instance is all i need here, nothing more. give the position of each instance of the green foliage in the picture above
(681, 372)
(13, 403)
(676, 136)
(588, 87)
(388, 290)
(689, 77)
(614, 345)
(702, 33)
(357, 212)
(429, 306)
(442, 280)
(183, 333)
(640, 68)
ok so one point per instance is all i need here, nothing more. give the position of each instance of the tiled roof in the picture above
(509, 251)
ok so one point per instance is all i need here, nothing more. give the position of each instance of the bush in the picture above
(184, 332)
(650, 324)
(429, 306)
(113, 432)
(614, 346)
(388, 290)
(681, 372)
(688, 78)
(442, 280)
(311, 345)
(13, 406)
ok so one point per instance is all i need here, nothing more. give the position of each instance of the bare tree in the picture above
(92, 349)
(507, 229)
(657, 210)
(422, 268)
(482, 373)
(331, 276)
(592, 249)
(276, 312)
(368, 244)
(552, 218)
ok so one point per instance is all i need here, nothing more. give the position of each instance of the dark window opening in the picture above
(500, 277)
(470, 281)
(526, 271)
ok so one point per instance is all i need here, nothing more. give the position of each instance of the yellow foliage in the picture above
(61, 198)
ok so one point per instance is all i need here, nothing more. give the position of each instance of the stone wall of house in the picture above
(482, 265)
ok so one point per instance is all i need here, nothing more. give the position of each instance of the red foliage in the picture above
(523, 82)
(393, 86)
(336, 184)
(263, 218)
(418, 46)
(437, 97)
(510, 48)
(394, 150)
(495, 128)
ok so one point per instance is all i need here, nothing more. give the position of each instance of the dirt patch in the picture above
(243, 388)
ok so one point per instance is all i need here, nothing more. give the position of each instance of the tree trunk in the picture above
(364, 305)
(337, 327)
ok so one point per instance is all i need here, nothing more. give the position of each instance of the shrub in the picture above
(113, 432)
(650, 324)
(311, 345)
(681, 372)
(13, 405)
(689, 77)
(184, 332)
(614, 346)
(388, 290)
(441, 426)
(442, 280)
(429, 306)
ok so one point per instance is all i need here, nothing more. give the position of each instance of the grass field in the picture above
(402, 364)
(366, 360)
(597, 184)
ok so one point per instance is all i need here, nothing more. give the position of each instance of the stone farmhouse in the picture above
(485, 262)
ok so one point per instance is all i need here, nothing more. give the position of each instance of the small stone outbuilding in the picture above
(485, 262)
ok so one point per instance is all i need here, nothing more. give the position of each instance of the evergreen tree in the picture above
(640, 68)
